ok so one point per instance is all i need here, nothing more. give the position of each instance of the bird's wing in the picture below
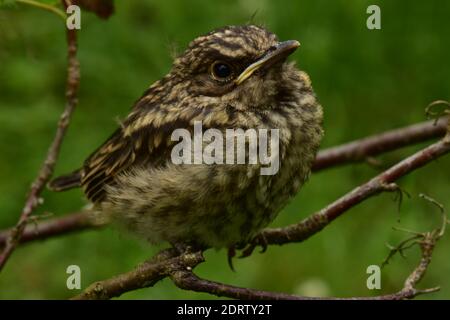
(66, 182)
(144, 138)
(133, 144)
(100, 168)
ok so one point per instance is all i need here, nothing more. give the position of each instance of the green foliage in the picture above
(7, 3)
(368, 81)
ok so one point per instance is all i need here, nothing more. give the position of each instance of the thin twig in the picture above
(44, 6)
(400, 248)
(46, 171)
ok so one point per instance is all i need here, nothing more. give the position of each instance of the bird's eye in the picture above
(221, 70)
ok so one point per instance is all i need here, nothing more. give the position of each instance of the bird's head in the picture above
(242, 66)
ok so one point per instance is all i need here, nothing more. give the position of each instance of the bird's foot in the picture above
(247, 249)
(258, 240)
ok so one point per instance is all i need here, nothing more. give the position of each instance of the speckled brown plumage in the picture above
(131, 177)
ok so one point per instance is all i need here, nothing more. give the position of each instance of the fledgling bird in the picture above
(233, 77)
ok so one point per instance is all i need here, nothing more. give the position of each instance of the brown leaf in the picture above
(102, 8)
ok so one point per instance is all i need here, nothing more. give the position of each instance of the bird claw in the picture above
(259, 240)
(247, 249)
(231, 254)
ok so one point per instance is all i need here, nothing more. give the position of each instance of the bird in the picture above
(232, 77)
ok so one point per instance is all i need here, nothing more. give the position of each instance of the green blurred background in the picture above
(367, 81)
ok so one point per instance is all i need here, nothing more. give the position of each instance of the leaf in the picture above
(102, 8)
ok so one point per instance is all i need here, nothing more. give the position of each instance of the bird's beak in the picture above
(273, 55)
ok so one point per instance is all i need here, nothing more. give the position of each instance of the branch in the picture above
(143, 276)
(187, 280)
(46, 171)
(179, 268)
(383, 182)
(360, 150)
(42, 230)
(45, 6)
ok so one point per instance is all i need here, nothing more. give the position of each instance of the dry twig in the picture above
(46, 171)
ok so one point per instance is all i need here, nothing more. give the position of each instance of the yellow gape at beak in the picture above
(277, 53)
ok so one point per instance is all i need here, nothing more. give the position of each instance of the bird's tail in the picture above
(66, 182)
